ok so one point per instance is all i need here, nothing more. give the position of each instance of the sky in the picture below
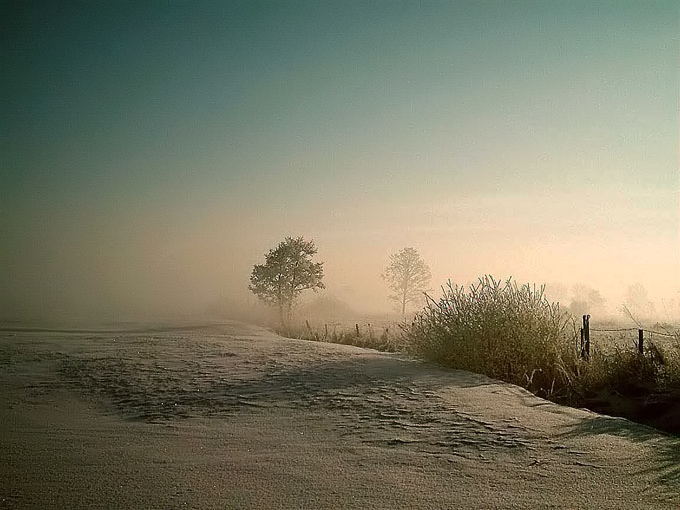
(152, 152)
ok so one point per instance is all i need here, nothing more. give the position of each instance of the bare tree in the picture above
(408, 276)
(288, 270)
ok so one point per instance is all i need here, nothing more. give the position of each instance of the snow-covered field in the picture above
(233, 416)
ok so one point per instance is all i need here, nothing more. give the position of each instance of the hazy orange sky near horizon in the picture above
(151, 153)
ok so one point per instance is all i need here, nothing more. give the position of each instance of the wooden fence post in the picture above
(641, 341)
(585, 352)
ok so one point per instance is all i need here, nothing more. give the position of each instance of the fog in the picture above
(172, 263)
(145, 169)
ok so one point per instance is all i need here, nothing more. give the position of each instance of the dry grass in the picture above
(513, 333)
(623, 371)
(499, 329)
(386, 336)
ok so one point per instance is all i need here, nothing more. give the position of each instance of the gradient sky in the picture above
(152, 152)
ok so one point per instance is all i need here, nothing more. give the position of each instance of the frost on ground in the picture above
(233, 416)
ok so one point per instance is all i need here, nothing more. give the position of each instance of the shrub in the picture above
(499, 329)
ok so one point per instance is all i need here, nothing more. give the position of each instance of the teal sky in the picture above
(151, 152)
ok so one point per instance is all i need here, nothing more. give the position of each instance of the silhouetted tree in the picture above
(585, 300)
(408, 276)
(287, 271)
(637, 301)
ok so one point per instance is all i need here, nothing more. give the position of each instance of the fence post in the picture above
(641, 341)
(586, 336)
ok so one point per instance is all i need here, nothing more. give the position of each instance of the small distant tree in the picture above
(288, 270)
(585, 300)
(408, 276)
(637, 301)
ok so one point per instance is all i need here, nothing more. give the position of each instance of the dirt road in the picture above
(232, 416)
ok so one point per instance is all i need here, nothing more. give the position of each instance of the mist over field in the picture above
(151, 155)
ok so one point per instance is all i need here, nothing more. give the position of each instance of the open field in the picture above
(232, 416)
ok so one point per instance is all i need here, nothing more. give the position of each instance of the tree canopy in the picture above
(288, 270)
(408, 276)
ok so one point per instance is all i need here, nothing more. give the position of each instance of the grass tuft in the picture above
(500, 329)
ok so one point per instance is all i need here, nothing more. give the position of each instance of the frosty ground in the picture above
(232, 416)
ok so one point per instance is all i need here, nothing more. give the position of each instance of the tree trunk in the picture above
(289, 312)
(281, 315)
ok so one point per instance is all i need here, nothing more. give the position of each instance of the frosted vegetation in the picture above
(503, 330)
(507, 331)
(514, 333)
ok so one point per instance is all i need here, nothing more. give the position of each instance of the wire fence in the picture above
(642, 334)
(623, 330)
